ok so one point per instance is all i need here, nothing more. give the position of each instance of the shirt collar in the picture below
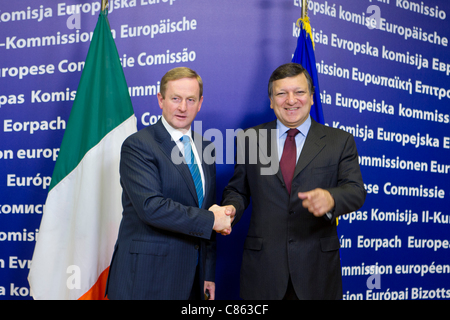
(175, 133)
(303, 128)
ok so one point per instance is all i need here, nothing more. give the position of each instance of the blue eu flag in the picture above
(304, 55)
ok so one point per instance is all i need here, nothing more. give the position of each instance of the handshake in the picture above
(223, 217)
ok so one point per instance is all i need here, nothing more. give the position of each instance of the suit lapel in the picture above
(167, 146)
(313, 145)
(269, 154)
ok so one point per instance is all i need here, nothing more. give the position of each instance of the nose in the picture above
(291, 98)
(182, 106)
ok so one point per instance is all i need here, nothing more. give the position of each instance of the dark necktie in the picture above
(193, 168)
(289, 158)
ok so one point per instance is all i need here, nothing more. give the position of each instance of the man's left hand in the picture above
(317, 201)
(211, 287)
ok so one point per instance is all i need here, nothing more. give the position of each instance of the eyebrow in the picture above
(285, 90)
(180, 96)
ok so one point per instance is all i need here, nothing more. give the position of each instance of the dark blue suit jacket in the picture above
(163, 235)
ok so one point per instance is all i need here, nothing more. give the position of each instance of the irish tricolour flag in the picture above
(83, 208)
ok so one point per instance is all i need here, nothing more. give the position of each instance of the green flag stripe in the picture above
(102, 102)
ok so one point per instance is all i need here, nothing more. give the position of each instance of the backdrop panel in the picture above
(389, 86)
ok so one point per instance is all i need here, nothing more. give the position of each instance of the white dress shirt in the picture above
(176, 136)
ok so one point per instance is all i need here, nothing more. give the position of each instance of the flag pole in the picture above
(104, 4)
(303, 22)
(304, 8)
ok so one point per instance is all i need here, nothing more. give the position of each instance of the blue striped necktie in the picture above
(193, 168)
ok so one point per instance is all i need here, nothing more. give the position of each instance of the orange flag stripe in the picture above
(97, 292)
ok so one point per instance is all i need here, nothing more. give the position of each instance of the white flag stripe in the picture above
(84, 213)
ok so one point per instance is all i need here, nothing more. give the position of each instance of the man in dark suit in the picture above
(166, 244)
(303, 176)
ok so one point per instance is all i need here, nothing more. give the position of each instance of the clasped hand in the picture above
(317, 201)
(223, 216)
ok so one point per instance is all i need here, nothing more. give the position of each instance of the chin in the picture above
(182, 125)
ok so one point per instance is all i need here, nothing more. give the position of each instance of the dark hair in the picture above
(290, 70)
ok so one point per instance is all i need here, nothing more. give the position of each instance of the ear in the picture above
(200, 104)
(160, 99)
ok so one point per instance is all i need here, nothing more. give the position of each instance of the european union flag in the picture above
(304, 55)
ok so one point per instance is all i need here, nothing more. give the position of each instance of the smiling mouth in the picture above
(292, 109)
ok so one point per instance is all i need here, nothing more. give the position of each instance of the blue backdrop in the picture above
(389, 86)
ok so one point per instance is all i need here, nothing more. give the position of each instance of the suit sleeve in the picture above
(349, 194)
(211, 245)
(141, 182)
(237, 192)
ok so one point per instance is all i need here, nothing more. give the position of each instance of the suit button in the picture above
(291, 212)
(291, 241)
(197, 247)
